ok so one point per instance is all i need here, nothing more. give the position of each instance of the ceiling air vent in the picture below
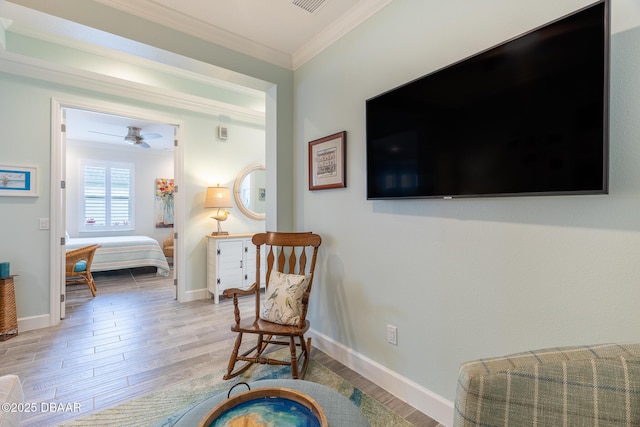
(308, 5)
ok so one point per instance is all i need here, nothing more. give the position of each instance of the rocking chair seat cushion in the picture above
(283, 299)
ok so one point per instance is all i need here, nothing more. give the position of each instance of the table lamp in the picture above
(220, 198)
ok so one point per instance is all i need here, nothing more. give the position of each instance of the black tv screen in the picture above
(526, 117)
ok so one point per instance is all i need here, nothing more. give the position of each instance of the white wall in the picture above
(148, 165)
(463, 279)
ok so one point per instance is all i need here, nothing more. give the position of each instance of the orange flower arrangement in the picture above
(164, 192)
(165, 189)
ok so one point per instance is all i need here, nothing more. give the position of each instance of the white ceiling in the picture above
(283, 32)
(88, 126)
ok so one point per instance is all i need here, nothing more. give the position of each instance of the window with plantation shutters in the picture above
(107, 196)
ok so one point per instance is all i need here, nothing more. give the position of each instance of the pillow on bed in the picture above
(283, 300)
(80, 266)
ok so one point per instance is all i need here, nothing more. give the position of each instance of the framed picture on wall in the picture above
(327, 162)
(18, 181)
(164, 202)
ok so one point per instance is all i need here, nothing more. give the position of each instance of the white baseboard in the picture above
(428, 402)
(34, 322)
(196, 295)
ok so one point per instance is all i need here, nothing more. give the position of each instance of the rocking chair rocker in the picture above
(281, 318)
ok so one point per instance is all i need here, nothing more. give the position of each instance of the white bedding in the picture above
(119, 252)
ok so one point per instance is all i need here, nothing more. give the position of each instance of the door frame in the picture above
(58, 221)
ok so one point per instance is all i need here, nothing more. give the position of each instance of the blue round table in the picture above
(339, 410)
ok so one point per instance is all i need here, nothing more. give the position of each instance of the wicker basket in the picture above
(8, 314)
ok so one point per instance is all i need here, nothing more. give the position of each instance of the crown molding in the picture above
(170, 18)
(60, 74)
(39, 26)
(163, 62)
(339, 28)
(152, 11)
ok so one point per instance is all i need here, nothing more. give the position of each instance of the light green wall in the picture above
(279, 81)
(25, 111)
(460, 279)
(26, 118)
(463, 279)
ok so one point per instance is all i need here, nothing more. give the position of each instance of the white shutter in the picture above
(120, 196)
(107, 196)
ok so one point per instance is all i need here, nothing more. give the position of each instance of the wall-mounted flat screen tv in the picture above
(527, 117)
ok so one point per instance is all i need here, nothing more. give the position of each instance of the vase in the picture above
(167, 212)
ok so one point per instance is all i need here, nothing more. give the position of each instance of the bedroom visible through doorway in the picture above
(119, 174)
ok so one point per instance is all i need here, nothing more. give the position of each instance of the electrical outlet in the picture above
(392, 335)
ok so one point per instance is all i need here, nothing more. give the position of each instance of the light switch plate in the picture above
(44, 223)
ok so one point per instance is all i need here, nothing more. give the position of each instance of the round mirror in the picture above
(249, 191)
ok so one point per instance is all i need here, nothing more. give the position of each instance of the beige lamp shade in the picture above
(218, 197)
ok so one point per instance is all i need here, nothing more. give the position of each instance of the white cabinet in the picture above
(231, 263)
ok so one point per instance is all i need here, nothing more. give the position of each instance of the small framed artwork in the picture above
(327, 162)
(165, 189)
(18, 181)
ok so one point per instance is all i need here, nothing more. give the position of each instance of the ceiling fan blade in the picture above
(151, 135)
(109, 134)
(143, 144)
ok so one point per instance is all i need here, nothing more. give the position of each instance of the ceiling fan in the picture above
(134, 137)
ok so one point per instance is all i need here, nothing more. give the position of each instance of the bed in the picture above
(120, 252)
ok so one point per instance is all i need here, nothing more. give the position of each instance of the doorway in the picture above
(94, 129)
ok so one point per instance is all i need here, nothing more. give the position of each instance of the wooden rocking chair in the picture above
(78, 267)
(283, 313)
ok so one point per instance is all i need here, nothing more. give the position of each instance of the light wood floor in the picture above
(133, 338)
